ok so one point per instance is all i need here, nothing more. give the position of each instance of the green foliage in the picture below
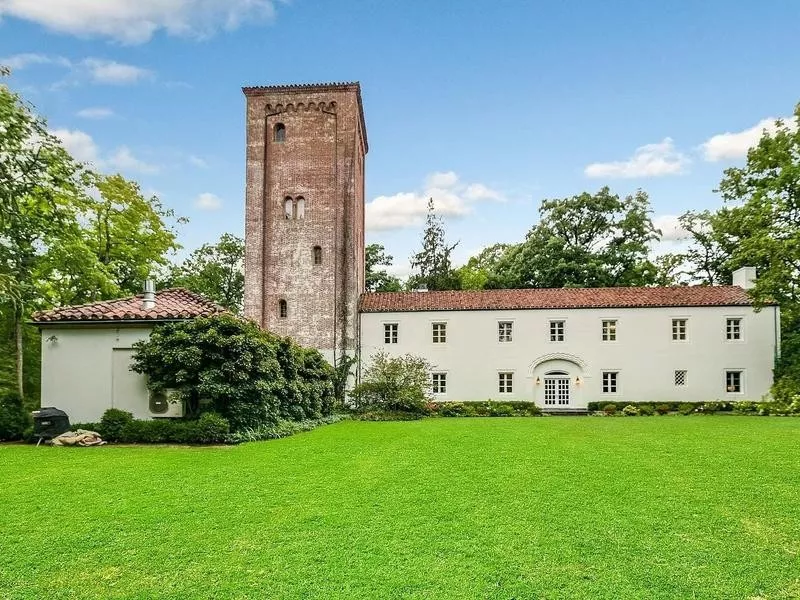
(388, 415)
(630, 411)
(378, 280)
(588, 240)
(249, 376)
(216, 271)
(609, 409)
(686, 408)
(14, 419)
(281, 429)
(210, 428)
(112, 423)
(486, 408)
(646, 410)
(432, 264)
(662, 409)
(390, 383)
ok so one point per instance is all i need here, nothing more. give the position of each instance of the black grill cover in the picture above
(50, 422)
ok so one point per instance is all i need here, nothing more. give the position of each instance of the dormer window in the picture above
(279, 133)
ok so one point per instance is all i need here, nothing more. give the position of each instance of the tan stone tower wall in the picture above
(317, 161)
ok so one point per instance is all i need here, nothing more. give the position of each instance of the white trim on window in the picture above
(557, 330)
(438, 332)
(439, 383)
(610, 382)
(505, 382)
(391, 331)
(505, 331)
(734, 378)
(679, 329)
(609, 329)
(734, 326)
(680, 377)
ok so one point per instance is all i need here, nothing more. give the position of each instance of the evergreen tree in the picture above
(432, 264)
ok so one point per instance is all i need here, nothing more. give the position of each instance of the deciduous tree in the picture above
(378, 280)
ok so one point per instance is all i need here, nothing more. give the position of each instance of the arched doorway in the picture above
(558, 382)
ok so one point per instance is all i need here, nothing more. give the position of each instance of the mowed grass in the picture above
(622, 508)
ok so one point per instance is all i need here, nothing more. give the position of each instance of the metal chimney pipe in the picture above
(149, 297)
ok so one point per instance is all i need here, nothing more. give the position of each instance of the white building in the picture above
(564, 348)
(87, 352)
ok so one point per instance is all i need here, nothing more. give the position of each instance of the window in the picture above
(733, 382)
(439, 333)
(300, 208)
(609, 330)
(283, 309)
(556, 331)
(504, 329)
(288, 207)
(680, 378)
(439, 383)
(610, 380)
(505, 383)
(679, 329)
(733, 329)
(390, 333)
(317, 255)
(279, 132)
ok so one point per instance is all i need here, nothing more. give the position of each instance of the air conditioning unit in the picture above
(166, 404)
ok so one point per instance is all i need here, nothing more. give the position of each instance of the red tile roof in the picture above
(170, 304)
(621, 297)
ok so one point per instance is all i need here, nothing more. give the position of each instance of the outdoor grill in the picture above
(49, 422)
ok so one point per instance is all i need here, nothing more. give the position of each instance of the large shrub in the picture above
(14, 419)
(231, 366)
(112, 423)
(394, 383)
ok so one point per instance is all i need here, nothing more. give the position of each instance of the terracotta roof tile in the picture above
(621, 297)
(174, 303)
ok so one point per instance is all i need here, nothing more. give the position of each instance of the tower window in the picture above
(283, 309)
(279, 133)
(317, 255)
(299, 208)
(288, 207)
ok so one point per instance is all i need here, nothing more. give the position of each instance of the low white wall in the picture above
(84, 371)
(644, 353)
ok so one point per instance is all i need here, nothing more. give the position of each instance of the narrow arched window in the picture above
(317, 255)
(300, 208)
(287, 207)
(279, 132)
(283, 309)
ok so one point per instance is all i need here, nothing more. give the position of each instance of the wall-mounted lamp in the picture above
(578, 380)
(538, 381)
(53, 339)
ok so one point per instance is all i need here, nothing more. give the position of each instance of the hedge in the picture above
(484, 408)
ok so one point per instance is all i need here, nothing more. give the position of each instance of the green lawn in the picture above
(575, 507)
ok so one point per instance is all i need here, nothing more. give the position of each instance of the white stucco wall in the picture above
(84, 371)
(644, 354)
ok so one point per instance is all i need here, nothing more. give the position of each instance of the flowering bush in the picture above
(630, 411)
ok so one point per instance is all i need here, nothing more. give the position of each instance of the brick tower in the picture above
(304, 212)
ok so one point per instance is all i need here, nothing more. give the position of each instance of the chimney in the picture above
(745, 277)
(149, 297)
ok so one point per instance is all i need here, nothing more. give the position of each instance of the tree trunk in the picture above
(20, 350)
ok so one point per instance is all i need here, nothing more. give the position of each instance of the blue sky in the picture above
(489, 106)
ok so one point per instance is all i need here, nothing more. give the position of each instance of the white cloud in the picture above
(735, 145)
(79, 144)
(18, 62)
(650, 160)
(208, 201)
(135, 22)
(198, 162)
(83, 148)
(96, 70)
(670, 226)
(112, 72)
(408, 209)
(124, 160)
(95, 112)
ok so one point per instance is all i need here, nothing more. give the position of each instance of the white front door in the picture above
(556, 390)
